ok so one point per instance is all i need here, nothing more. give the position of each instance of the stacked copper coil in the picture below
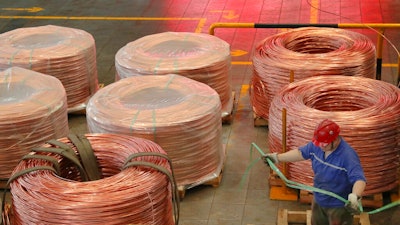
(201, 57)
(33, 109)
(307, 52)
(180, 114)
(134, 185)
(366, 110)
(66, 53)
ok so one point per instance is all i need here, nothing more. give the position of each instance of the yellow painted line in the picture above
(314, 11)
(244, 90)
(389, 65)
(200, 26)
(97, 18)
(241, 63)
(33, 9)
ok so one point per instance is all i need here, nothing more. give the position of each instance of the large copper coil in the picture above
(66, 53)
(307, 52)
(180, 114)
(366, 110)
(33, 109)
(201, 57)
(137, 194)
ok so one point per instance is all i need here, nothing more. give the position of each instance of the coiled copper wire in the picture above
(33, 109)
(180, 114)
(201, 57)
(66, 53)
(307, 52)
(132, 195)
(366, 110)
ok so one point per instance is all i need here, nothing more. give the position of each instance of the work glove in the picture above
(271, 156)
(353, 204)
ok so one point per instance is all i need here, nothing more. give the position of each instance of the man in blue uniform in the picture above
(336, 169)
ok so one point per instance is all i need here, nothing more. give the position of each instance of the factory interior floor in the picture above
(242, 196)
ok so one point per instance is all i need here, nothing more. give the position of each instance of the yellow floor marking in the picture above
(97, 18)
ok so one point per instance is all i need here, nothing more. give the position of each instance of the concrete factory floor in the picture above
(114, 23)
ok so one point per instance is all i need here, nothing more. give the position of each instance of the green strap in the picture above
(15, 176)
(296, 185)
(171, 178)
(87, 155)
(72, 157)
(53, 160)
(61, 145)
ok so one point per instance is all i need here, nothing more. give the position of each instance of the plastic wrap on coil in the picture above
(180, 114)
(125, 193)
(33, 109)
(307, 52)
(68, 54)
(367, 112)
(201, 57)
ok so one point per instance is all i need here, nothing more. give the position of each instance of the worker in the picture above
(337, 169)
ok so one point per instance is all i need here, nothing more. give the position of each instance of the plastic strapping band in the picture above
(171, 178)
(51, 159)
(173, 182)
(15, 176)
(61, 145)
(72, 157)
(88, 158)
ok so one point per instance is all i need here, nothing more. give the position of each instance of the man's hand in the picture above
(271, 156)
(353, 206)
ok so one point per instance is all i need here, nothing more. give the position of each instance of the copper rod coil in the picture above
(201, 57)
(366, 110)
(134, 195)
(180, 114)
(66, 53)
(33, 109)
(307, 52)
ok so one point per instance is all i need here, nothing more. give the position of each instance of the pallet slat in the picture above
(286, 217)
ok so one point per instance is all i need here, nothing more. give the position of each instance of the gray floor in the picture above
(241, 198)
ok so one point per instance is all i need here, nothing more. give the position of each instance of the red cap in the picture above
(325, 133)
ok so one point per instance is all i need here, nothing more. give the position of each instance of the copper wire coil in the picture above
(366, 110)
(307, 52)
(33, 109)
(201, 57)
(132, 195)
(180, 114)
(66, 53)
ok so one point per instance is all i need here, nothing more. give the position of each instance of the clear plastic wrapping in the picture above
(33, 109)
(201, 57)
(66, 53)
(183, 116)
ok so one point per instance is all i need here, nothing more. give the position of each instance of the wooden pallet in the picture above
(227, 119)
(306, 197)
(286, 217)
(259, 121)
(214, 182)
(370, 201)
(275, 180)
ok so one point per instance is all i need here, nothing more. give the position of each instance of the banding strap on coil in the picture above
(53, 160)
(87, 155)
(63, 152)
(171, 177)
(15, 176)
